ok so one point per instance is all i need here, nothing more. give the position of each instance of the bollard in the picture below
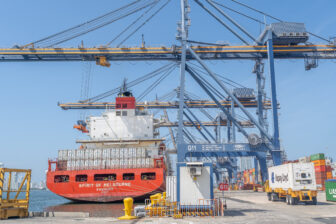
(128, 204)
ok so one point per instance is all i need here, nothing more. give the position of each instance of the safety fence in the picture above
(159, 206)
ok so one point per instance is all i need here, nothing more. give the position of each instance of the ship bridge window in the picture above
(124, 105)
(124, 113)
(118, 113)
(128, 176)
(118, 105)
(105, 177)
(61, 178)
(81, 178)
(303, 175)
(148, 176)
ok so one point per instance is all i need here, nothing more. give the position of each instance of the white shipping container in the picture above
(86, 165)
(117, 153)
(69, 154)
(91, 164)
(77, 154)
(143, 152)
(134, 162)
(86, 154)
(138, 152)
(125, 163)
(97, 154)
(125, 151)
(108, 164)
(69, 165)
(91, 153)
(113, 153)
(60, 155)
(106, 154)
(65, 155)
(77, 164)
(81, 164)
(103, 164)
(97, 164)
(73, 164)
(296, 176)
(138, 161)
(130, 163)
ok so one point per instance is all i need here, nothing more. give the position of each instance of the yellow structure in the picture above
(128, 204)
(10, 203)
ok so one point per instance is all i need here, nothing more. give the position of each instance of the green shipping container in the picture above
(330, 189)
(319, 156)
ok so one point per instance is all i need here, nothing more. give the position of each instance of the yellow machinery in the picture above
(11, 202)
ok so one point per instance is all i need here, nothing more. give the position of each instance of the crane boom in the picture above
(162, 105)
(165, 53)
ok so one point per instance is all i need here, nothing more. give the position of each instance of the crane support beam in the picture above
(164, 105)
(166, 53)
(245, 124)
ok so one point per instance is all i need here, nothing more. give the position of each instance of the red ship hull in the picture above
(84, 185)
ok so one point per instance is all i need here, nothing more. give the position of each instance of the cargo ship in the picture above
(122, 157)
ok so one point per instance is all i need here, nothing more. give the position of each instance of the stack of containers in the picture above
(329, 169)
(114, 158)
(246, 177)
(320, 169)
(252, 176)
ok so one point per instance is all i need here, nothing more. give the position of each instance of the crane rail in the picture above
(165, 53)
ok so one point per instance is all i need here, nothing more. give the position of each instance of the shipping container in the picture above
(69, 165)
(305, 159)
(113, 153)
(320, 169)
(295, 176)
(319, 162)
(91, 164)
(319, 156)
(73, 164)
(97, 154)
(330, 189)
(86, 165)
(60, 155)
(106, 154)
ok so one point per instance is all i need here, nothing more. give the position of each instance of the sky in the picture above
(33, 127)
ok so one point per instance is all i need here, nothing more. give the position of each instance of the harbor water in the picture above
(44, 200)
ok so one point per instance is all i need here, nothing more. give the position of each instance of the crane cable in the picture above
(144, 23)
(228, 81)
(240, 13)
(277, 19)
(134, 22)
(156, 83)
(93, 24)
(130, 84)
